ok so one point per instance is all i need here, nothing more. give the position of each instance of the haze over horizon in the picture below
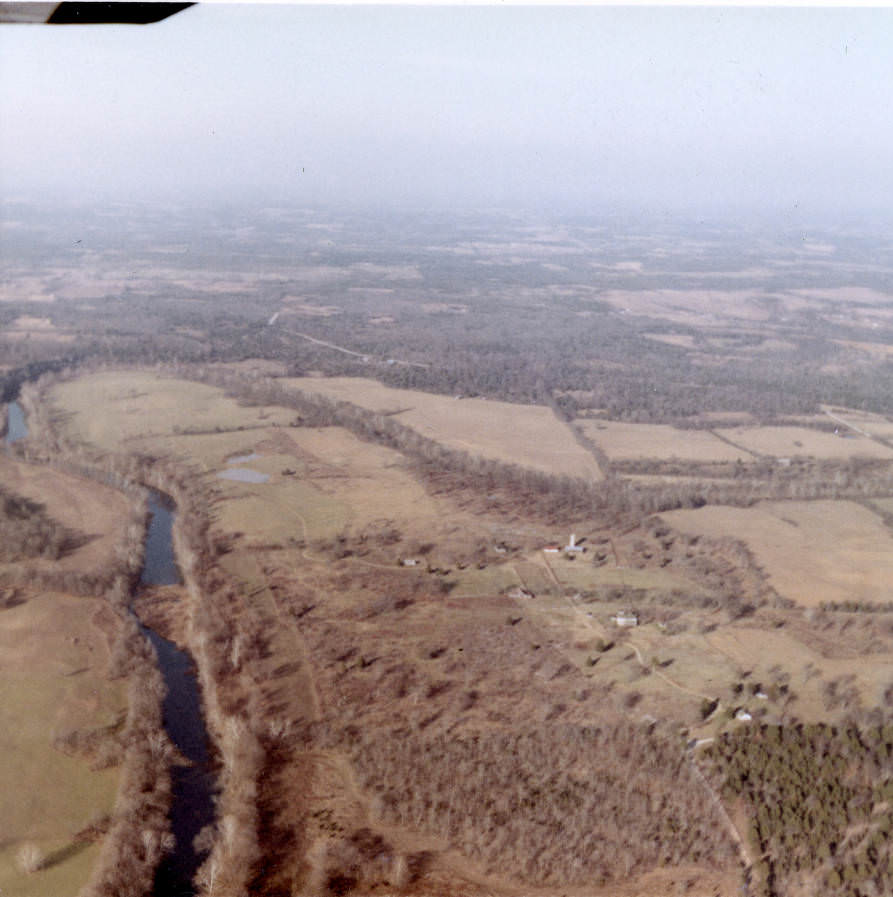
(716, 111)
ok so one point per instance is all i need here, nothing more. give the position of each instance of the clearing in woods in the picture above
(812, 551)
(764, 652)
(786, 441)
(528, 435)
(620, 440)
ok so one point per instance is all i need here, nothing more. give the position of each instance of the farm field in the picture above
(315, 556)
(875, 424)
(280, 511)
(338, 485)
(136, 404)
(812, 551)
(53, 662)
(527, 435)
(96, 513)
(621, 440)
(787, 441)
(699, 307)
(322, 481)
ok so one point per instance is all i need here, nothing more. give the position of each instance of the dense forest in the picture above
(481, 305)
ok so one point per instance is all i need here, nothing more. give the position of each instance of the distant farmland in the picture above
(528, 435)
(621, 441)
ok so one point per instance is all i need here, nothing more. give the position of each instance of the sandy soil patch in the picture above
(813, 551)
(619, 439)
(528, 435)
(786, 441)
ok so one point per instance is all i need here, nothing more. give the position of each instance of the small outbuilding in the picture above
(625, 619)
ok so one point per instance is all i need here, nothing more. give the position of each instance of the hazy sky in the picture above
(549, 108)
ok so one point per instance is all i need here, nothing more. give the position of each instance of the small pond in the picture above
(16, 428)
(243, 475)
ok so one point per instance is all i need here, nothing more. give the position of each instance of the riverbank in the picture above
(192, 806)
(161, 721)
(202, 628)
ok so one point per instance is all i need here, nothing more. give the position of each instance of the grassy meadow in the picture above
(813, 552)
(527, 435)
(113, 409)
(53, 662)
(621, 440)
(789, 441)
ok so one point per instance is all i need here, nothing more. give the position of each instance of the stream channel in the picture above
(193, 785)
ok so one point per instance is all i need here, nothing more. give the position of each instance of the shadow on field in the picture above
(64, 853)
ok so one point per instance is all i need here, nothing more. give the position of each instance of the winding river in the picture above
(193, 784)
(192, 806)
